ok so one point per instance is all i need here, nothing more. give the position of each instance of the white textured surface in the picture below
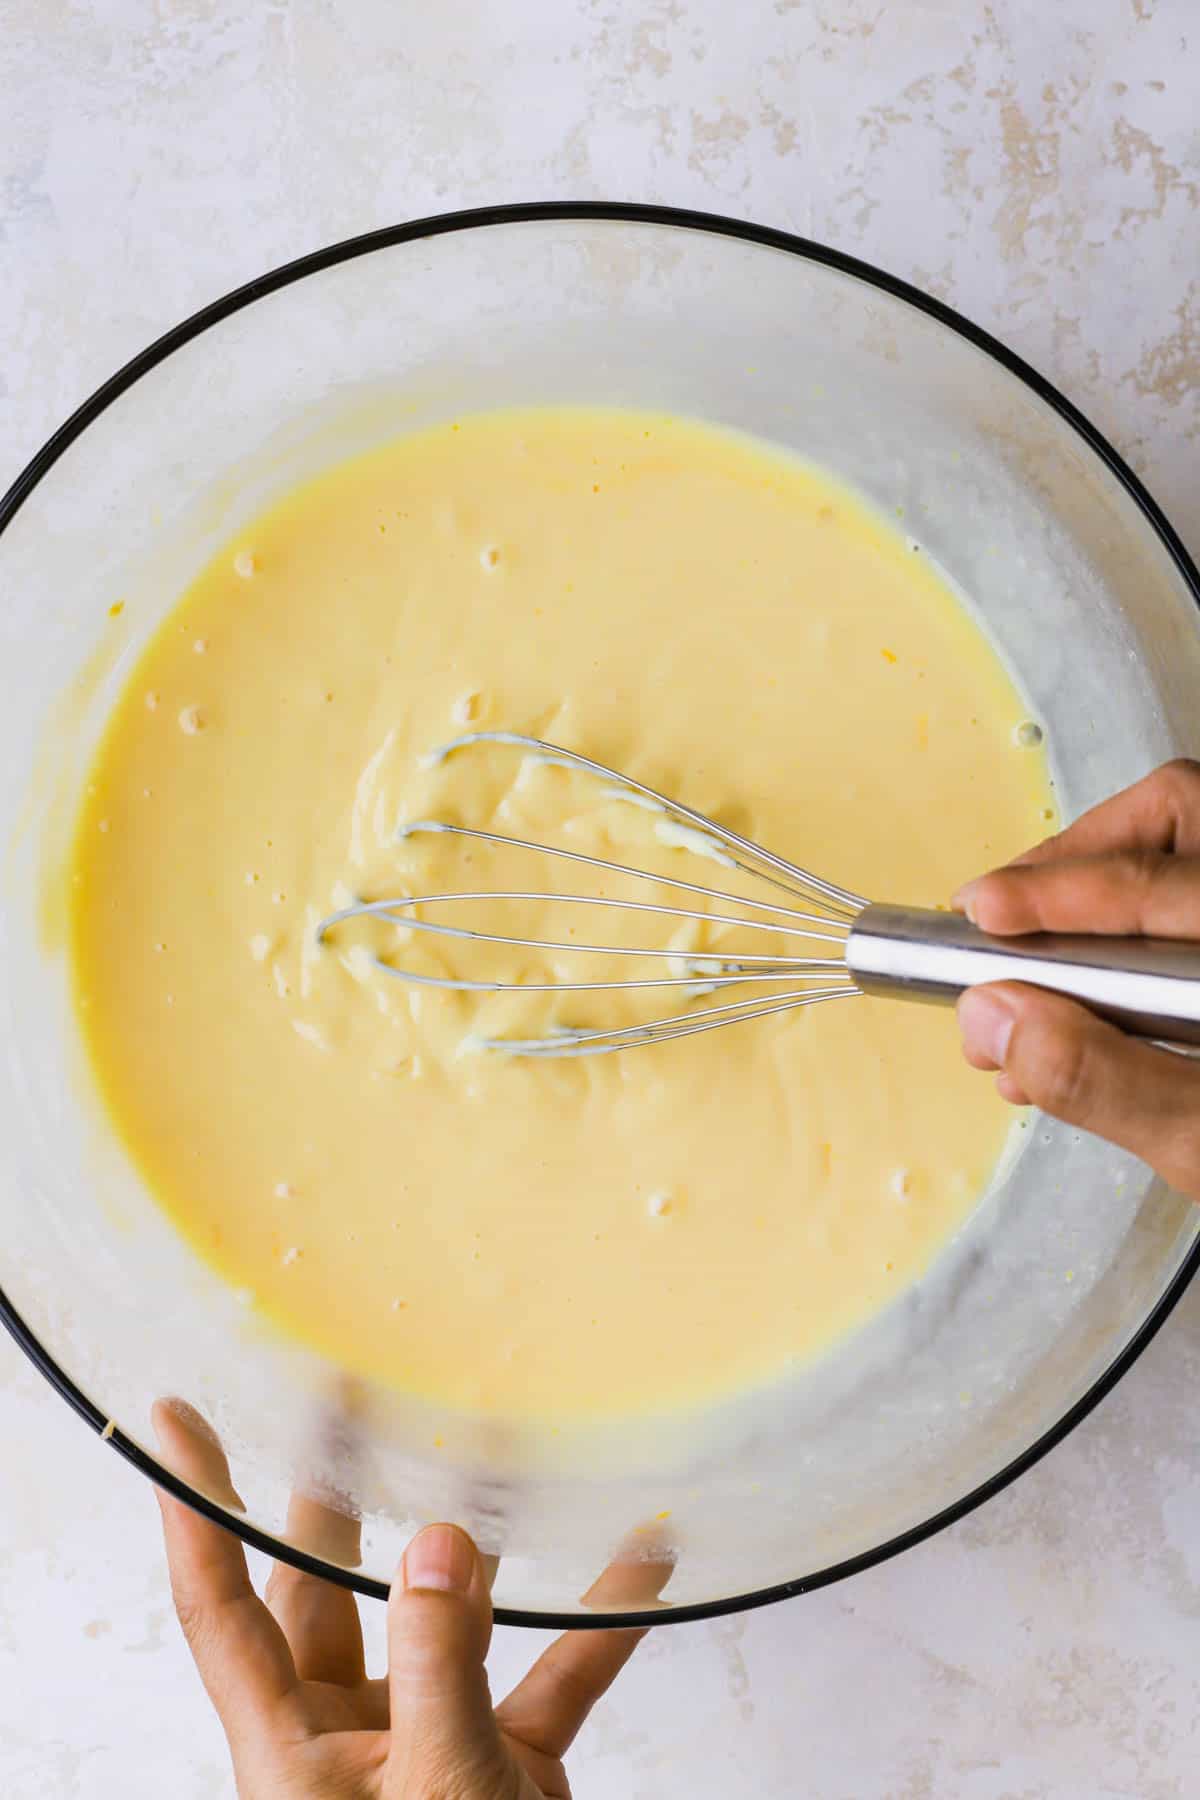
(1036, 165)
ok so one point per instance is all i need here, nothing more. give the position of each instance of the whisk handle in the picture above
(1148, 986)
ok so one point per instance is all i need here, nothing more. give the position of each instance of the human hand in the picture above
(1130, 867)
(287, 1675)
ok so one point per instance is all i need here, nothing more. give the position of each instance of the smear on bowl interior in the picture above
(597, 1237)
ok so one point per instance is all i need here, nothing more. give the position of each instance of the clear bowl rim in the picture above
(762, 236)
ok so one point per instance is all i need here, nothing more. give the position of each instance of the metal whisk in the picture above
(852, 946)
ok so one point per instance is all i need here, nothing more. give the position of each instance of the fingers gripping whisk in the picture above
(791, 934)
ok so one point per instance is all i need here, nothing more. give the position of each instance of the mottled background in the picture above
(1034, 162)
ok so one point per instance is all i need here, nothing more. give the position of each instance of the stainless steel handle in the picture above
(1148, 986)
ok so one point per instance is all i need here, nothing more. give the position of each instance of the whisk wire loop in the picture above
(827, 917)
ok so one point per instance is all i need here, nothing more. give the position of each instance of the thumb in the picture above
(444, 1734)
(1076, 1067)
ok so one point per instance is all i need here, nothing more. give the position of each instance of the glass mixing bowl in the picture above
(1060, 1275)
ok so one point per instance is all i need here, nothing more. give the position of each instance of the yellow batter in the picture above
(580, 1238)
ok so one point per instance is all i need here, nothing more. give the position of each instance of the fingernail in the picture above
(964, 900)
(986, 1022)
(440, 1557)
(1008, 1089)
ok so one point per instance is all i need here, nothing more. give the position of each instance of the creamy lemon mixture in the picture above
(573, 1238)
